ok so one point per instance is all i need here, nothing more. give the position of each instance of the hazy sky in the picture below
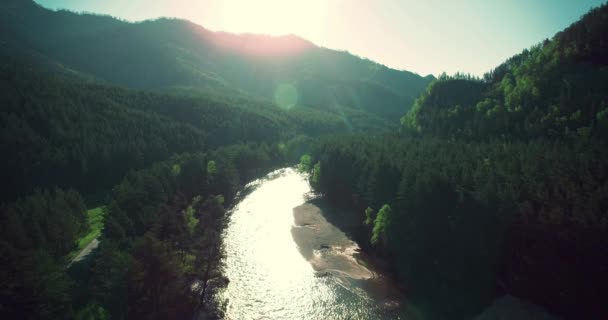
(423, 36)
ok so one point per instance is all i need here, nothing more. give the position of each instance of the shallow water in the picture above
(269, 277)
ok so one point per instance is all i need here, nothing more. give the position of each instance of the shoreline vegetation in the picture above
(183, 236)
(490, 187)
(493, 186)
(159, 233)
(332, 253)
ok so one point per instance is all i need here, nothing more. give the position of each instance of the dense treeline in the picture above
(36, 233)
(58, 130)
(162, 233)
(70, 134)
(464, 217)
(554, 90)
(161, 252)
(494, 186)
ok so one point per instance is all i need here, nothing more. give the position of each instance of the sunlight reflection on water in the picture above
(269, 278)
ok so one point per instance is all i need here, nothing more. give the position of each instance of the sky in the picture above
(422, 36)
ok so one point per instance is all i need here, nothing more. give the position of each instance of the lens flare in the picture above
(286, 96)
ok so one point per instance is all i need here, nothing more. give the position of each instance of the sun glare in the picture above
(275, 17)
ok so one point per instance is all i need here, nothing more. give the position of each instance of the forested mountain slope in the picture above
(176, 118)
(59, 128)
(165, 53)
(494, 186)
(555, 90)
(469, 221)
(68, 137)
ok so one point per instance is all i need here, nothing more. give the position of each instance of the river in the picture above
(274, 271)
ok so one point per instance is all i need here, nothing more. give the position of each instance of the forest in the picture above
(467, 187)
(492, 186)
(161, 232)
(169, 53)
(65, 150)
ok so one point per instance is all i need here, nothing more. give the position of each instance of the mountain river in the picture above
(286, 261)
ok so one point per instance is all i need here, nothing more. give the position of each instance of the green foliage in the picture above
(530, 184)
(211, 168)
(507, 178)
(191, 220)
(380, 224)
(449, 101)
(158, 286)
(153, 238)
(316, 174)
(69, 133)
(92, 311)
(149, 232)
(540, 119)
(369, 216)
(109, 276)
(452, 202)
(50, 220)
(219, 200)
(95, 219)
(305, 163)
(60, 128)
(549, 91)
(176, 169)
(34, 284)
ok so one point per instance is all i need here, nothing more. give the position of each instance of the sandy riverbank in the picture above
(326, 247)
(331, 253)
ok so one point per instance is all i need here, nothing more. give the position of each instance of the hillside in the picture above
(461, 191)
(495, 186)
(555, 90)
(170, 52)
(59, 128)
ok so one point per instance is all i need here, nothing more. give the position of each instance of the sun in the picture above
(275, 17)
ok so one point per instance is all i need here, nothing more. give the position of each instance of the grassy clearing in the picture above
(95, 219)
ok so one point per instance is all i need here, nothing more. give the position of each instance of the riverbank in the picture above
(269, 254)
(326, 247)
(331, 252)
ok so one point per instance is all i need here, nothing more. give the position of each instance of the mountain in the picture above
(61, 129)
(555, 90)
(73, 86)
(157, 123)
(167, 53)
(494, 186)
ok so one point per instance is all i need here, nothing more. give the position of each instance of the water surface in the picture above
(269, 276)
